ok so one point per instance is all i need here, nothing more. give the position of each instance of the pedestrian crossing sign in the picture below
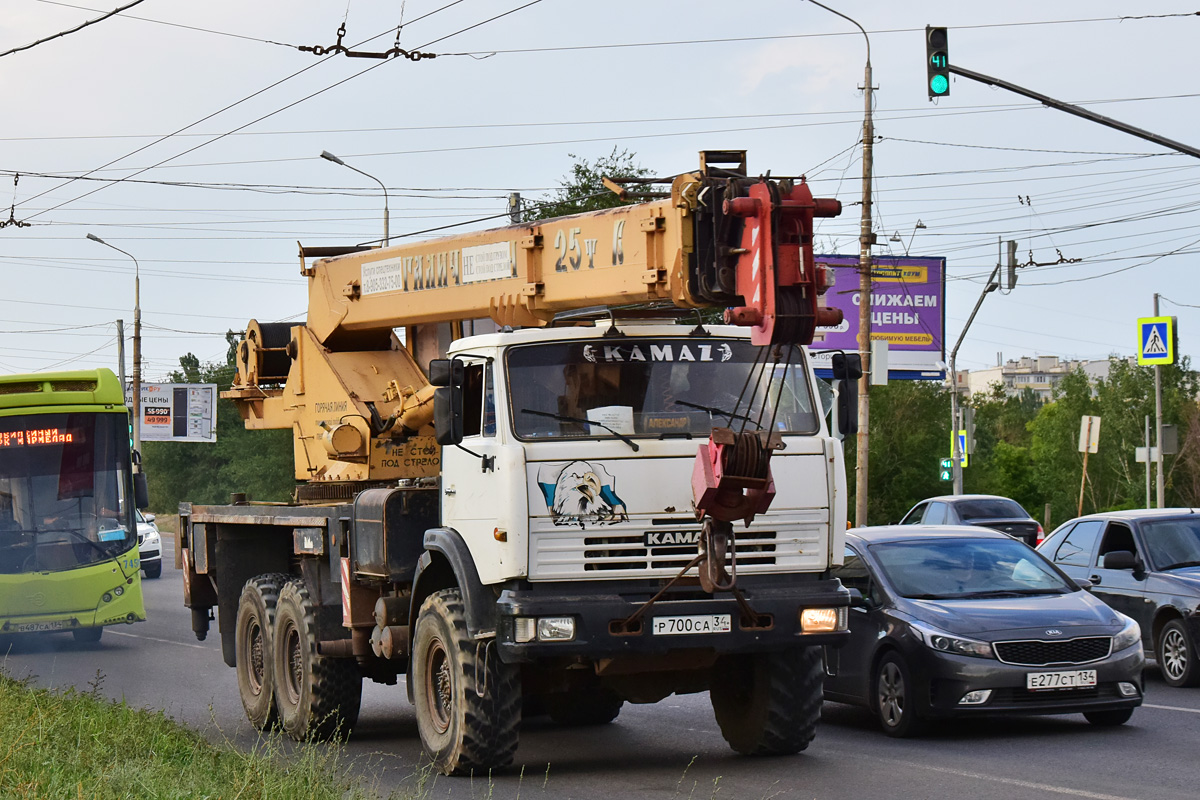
(1156, 340)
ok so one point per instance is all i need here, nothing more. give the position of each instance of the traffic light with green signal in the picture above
(937, 62)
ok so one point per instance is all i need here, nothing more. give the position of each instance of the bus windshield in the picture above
(64, 496)
(657, 387)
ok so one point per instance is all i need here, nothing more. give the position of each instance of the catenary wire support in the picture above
(395, 51)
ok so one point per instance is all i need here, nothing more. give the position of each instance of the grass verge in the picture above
(76, 744)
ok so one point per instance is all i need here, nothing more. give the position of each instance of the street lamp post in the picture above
(137, 348)
(328, 156)
(866, 239)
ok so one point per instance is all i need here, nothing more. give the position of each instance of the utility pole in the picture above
(1159, 489)
(865, 239)
(1147, 461)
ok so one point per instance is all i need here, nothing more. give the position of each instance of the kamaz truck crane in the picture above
(595, 498)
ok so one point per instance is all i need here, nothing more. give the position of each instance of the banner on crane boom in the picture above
(907, 311)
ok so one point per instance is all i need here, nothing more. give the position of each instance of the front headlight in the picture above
(1130, 635)
(949, 643)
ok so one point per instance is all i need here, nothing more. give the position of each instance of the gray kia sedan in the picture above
(948, 622)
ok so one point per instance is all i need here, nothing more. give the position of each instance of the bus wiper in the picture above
(104, 551)
(720, 412)
(562, 418)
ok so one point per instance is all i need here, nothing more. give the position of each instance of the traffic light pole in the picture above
(1077, 111)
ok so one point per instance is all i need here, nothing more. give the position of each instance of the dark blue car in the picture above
(956, 621)
(1147, 564)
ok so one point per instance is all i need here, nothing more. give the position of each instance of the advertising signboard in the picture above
(177, 412)
(907, 311)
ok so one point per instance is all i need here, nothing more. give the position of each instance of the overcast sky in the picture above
(213, 213)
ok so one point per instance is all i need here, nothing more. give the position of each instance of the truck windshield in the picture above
(63, 491)
(656, 387)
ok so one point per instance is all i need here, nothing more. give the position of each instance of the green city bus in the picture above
(68, 537)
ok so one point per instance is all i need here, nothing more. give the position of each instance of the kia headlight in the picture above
(949, 643)
(1130, 634)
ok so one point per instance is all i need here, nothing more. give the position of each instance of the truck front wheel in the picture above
(768, 703)
(468, 702)
(317, 696)
(252, 647)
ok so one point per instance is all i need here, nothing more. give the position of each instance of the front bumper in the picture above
(948, 677)
(599, 609)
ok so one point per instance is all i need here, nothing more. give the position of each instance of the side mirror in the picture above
(148, 517)
(847, 369)
(446, 372)
(448, 413)
(1083, 583)
(858, 601)
(1120, 559)
(141, 490)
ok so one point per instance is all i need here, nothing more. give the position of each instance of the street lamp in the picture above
(328, 156)
(866, 239)
(895, 237)
(137, 346)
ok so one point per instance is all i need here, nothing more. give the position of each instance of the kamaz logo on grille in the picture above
(661, 538)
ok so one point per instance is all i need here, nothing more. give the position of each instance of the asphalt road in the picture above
(669, 750)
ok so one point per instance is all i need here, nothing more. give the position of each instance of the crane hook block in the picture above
(776, 276)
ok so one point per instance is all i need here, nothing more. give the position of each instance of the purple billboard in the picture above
(907, 310)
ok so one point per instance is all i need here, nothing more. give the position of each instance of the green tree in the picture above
(909, 435)
(1001, 462)
(1122, 401)
(258, 463)
(583, 188)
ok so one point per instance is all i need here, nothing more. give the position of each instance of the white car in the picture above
(149, 545)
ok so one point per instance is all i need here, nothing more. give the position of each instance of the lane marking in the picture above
(1041, 787)
(156, 639)
(1172, 708)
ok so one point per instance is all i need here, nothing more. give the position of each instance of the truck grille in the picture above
(1036, 653)
(622, 550)
(628, 552)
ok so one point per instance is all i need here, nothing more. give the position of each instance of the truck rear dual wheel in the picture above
(253, 650)
(317, 697)
(468, 701)
(768, 703)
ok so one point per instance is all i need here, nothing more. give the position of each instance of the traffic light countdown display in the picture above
(937, 62)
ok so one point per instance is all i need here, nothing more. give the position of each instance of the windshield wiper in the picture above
(104, 551)
(1183, 564)
(1011, 593)
(563, 418)
(927, 596)
(720, 412)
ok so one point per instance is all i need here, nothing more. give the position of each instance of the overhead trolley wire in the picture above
(72, 30)
(226, 108)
